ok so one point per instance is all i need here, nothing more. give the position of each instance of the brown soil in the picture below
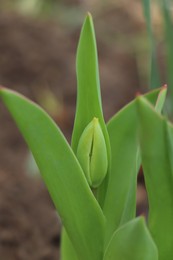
(34, 56)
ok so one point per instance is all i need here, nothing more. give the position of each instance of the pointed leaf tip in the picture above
(88, 19)
(161, 99)
(138, 93)
(2, 88)
(54, 157)
(88, 15)
(165, 86)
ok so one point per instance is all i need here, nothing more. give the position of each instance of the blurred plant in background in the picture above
(156, 75)
(153, 54)
(63, 9)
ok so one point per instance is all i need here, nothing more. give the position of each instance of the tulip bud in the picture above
(92, 153)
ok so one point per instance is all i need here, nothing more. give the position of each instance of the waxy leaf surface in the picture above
(62, 174)
(120, 202)
(132, 241)
(156, 136)
(88, 92)
(88, 83)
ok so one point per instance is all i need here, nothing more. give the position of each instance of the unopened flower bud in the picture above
(92, 153)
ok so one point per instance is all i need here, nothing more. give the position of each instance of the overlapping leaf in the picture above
(88, 96)
(132, 241)
(88, 92)
(156, 138)
(62, 174)
(120, 203)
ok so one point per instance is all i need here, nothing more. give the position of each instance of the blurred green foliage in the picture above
(69, 12)
(32, 6)
(165, 8)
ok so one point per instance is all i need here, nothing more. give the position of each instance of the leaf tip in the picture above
(140, 99)
(2, 89)
(88, 19)
(138, 93)
(163, 89)
(165, 86)
(88, 15)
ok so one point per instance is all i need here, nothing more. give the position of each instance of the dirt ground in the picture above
(36, 56)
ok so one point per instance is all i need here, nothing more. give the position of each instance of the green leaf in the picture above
(132, 241)
(157, 165)
(67, 249)
(161, 99)
(62, 174)
(120, 202)
(89, 103)
(88, 93)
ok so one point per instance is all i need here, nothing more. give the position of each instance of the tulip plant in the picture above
(93, 182)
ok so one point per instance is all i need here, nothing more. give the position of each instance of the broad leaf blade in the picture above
(88, 92)
(67, 249)
(122, 181)
(89, 103)
(158, 170)
(79, 211)
(120, 202)
(132, 242)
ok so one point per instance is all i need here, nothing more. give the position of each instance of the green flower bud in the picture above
(92, 153)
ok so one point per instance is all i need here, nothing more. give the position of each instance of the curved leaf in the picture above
(67, 250)
(132, 241)
(120, 202)
(62, 174)
(89, 103)
(88, 93)
(155, 141)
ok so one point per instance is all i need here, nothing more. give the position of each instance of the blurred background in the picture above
(38, 42)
